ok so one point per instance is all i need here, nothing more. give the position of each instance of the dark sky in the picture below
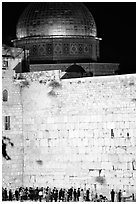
(116, 25)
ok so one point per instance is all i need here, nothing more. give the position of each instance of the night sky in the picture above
(116, 25)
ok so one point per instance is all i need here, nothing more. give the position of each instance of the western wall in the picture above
(71, 132)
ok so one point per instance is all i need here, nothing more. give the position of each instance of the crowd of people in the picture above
(53, 195)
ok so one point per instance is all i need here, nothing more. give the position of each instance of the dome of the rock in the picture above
(56, 19)
(57, 31)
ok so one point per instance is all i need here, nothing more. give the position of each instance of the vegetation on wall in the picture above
(54, 85)
(21, 81)
(6, 141)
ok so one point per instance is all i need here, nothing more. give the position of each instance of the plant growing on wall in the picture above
(54, 85)
(20, 80)
(5, 142)
(52, 93)
(100, 179)
(24, 83)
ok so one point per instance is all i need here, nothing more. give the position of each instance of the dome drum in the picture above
(60, 49)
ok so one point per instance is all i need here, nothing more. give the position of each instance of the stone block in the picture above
(131, 150)
(107, 141)
(104, 157)
(127, 174)
(106, 165)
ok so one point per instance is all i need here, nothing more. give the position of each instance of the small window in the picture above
(4, 64)
(7, 122)
(5, 95)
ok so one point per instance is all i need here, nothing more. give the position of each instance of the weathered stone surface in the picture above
(82, 127)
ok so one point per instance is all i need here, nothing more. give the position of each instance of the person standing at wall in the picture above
(75, 194)
(119, 196)
(10, 195)
(17, 194)
(78, 194)
(5, 194)
(81, 198)
(124, 195)
(87, 195)
(47, 195)
(40, 195)
(112, 195)
(66, 195)
(60, 194)
(91, 196)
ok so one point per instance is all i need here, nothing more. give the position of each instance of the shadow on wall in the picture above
(6, 141)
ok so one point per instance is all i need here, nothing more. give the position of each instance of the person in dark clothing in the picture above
(112, 195)
(133, 197)
(78, 194)
(71, 192)
(10, 195)
(68, 195)
(63, 194)
(36, 194)
(26, 193)
(17, 194)
(51, 196)
(55, 194)
(40, 194)
(96, 196)
(5, 194)
(119, 196)
(60, 194)
(75, 194)
(87, 195)
(31, 193)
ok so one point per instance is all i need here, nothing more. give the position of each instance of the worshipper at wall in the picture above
(119, 196)
(78, 194)
(112, 195)
(92, 196)
(66, 195)
(17, 194)
(75, 194)
(6, 194)
(124, 195)
(40, 194)
(10, 195)
(87, 194)
(54, 195)
(81, 198)
(46, 195)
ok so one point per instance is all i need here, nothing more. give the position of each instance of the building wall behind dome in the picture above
(43, 50)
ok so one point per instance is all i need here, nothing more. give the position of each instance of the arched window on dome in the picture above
(5, 95)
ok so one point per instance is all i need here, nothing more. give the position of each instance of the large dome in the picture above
(57, 32)
(55, 19)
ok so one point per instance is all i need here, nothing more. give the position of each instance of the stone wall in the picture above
(98, 69)
(80, 131)
(12, 170)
